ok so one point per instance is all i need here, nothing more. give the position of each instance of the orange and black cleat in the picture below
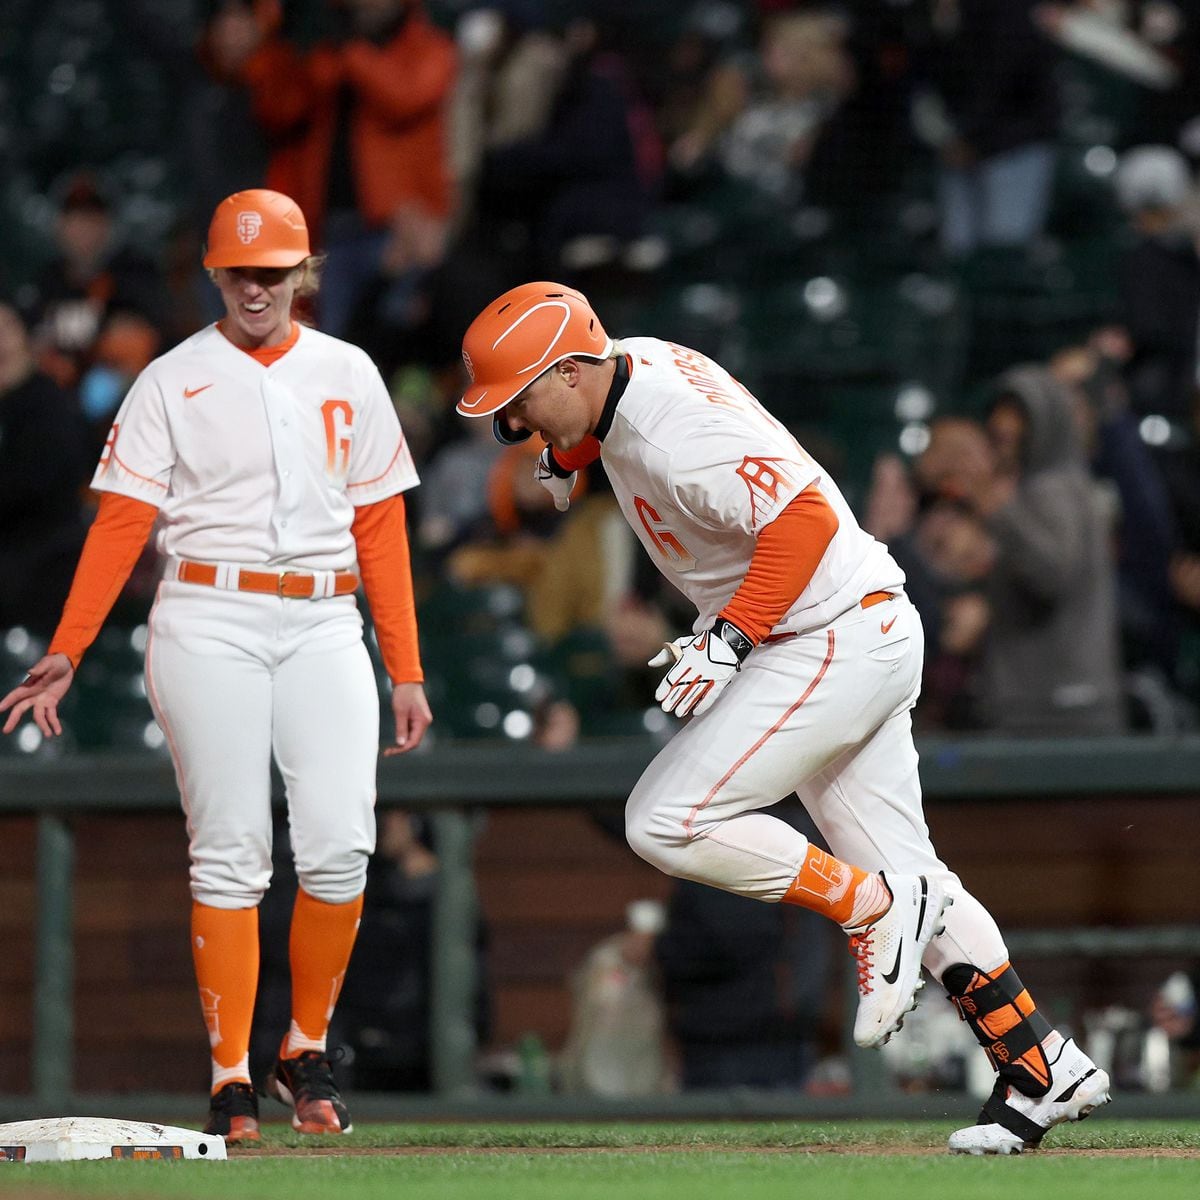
(305, 1083)
(233, 1113)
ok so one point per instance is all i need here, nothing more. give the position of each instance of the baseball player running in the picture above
(800, 673)
(271, 458)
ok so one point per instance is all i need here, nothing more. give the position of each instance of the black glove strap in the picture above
(734, 638)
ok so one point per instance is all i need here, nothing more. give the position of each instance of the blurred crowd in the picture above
(1046, 507)
(696, 168)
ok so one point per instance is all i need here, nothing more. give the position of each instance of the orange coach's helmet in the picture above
(257, 228)
(520, 335)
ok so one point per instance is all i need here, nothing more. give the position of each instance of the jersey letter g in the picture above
(339, 416)
(667, 544)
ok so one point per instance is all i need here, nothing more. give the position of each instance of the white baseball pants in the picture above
(235, 677)
(826, 715)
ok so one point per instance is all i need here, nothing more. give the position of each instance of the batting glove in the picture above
(702, 667)
(549, 474)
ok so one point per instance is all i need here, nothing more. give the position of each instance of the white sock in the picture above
(297, 1041)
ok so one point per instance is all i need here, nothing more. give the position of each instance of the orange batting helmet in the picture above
(520, 335)
(257, 228)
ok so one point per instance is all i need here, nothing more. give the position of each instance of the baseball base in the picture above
(68, 1139)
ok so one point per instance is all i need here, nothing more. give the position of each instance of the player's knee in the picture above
(650, 838)
(337, 879)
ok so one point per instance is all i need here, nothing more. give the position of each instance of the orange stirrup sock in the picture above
(853, 898)
(225, 952)
(319, 946)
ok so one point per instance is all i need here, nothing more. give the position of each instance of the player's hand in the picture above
(40, 692)
(556, 485)
(703, 666)
(411, 710)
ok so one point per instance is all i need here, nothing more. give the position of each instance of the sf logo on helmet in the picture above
(469, 365)
(249, 226)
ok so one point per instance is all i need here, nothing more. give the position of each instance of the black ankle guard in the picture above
(997, 1111)
(1026, 1035)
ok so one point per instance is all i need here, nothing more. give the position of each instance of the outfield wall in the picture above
(1085, 851)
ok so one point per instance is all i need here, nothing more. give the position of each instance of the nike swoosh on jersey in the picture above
(188, 393)
(884, 626)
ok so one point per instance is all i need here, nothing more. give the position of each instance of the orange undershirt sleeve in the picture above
(783, 562)
(582, 456)
(113, 546)
(383, 561)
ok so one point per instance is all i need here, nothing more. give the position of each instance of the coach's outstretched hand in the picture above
(48, 681)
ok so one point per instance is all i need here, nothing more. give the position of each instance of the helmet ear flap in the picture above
(504, 433)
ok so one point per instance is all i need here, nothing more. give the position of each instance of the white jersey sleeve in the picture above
(730, 475)
(381, 464)
(139, 455)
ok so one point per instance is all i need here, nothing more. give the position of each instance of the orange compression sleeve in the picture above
(382, 538)
(582, 456)
(113, 545)
(783, 562)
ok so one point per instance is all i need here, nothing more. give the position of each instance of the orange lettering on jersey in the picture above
(337, 446)
(111, 441)
(697, 370)
(667, 544)
(763, 477)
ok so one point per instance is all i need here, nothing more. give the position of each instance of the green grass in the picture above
(693, 1161)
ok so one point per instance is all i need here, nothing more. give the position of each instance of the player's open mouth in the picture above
(259, 306)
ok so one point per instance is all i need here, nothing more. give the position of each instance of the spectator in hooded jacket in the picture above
(1051, 659)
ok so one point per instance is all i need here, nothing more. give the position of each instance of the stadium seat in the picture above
(1027, 303)
(582, 670)
(474, 680)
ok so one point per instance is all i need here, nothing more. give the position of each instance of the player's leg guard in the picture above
(1042, 1080)
(1006, 1023)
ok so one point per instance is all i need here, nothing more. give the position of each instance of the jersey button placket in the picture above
(285, 451)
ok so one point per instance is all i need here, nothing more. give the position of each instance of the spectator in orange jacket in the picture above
(357, 134)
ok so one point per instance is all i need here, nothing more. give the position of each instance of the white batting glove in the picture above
(703, 665)
(546, 473)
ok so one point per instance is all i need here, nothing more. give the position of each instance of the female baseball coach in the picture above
(272, 462)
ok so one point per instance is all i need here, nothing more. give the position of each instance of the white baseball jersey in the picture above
(700, 468)
(258, 464)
